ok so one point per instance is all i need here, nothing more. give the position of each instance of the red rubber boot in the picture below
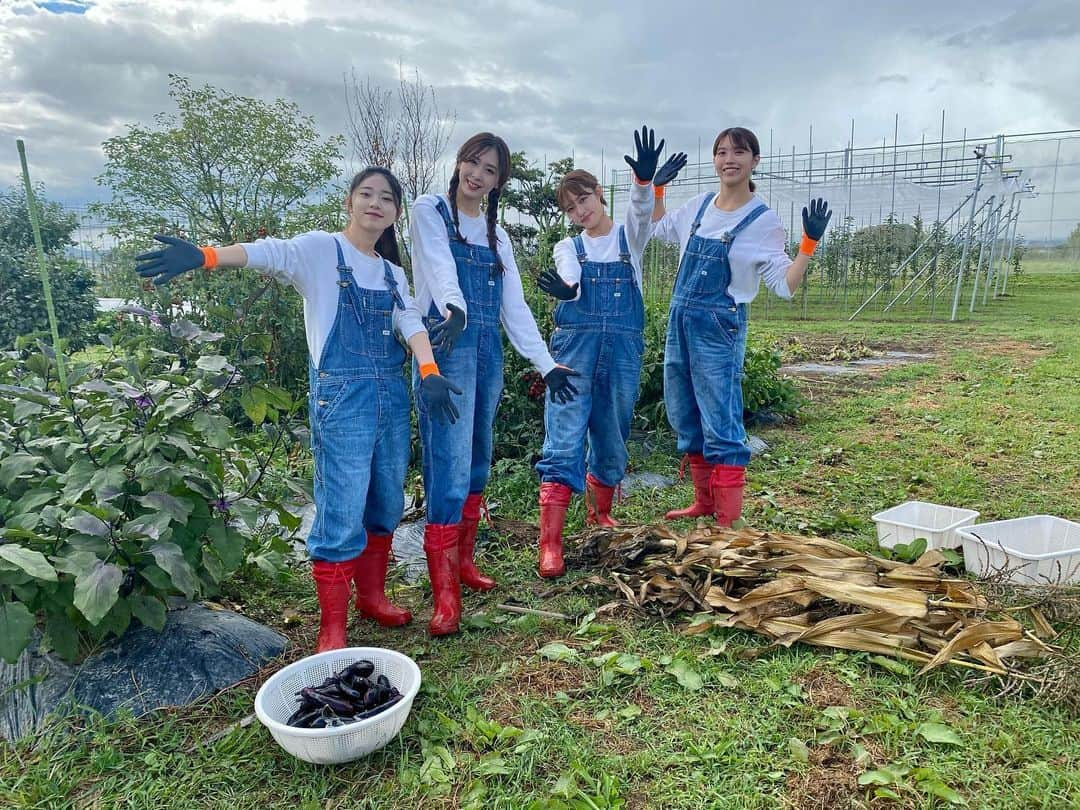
(598, 502)
(470, 519)
(728, 482)
(701, 474)
(441, 548)
(370, 577)
(554, 499)
(333, 584)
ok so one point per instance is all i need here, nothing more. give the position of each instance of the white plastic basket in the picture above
(912, 519)
(276, 700)
(1035, 550)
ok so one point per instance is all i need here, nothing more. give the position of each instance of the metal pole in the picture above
(33, 211)
(849, 220)
(1012, 247)
(937, 219)
(971, 229)
(983, 230)
(1053, 192)
(895, 135)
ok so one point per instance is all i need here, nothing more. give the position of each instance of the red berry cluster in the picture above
(535, 383)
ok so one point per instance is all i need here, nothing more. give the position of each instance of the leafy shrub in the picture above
(22, 302)
(131, 488)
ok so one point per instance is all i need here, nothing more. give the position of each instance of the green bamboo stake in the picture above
(31, 207)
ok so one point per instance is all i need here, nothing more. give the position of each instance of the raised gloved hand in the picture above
(436, 391)
(553, 284)
(164, 265)
(559, 385)
(671, 168)
(648, 154)
(816, 220)
(444, 335)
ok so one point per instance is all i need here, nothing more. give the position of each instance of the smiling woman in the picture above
(359, 402)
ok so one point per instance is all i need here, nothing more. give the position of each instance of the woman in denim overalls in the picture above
(468, 284)
(354, 301)
(598, 332)
(730, 240)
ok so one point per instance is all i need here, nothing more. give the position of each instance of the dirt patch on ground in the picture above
(823, 689)
(830, 782)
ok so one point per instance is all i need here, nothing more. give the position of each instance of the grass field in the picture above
(990, 421)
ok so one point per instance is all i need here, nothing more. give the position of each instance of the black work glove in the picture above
(551, 283)
(648, 154)
(436, 391)
(816, 220)
(666, 173)
(559, 385)
(164, 265)
(444, 335)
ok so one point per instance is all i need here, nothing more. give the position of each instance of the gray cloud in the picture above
(552, 76)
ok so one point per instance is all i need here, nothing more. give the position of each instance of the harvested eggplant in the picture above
(343, 698)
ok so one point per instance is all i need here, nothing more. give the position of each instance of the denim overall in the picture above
(705, 350)
(457, 457)
(359, 409)
(600, 336)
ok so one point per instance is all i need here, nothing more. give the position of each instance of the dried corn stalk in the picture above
(811, 590)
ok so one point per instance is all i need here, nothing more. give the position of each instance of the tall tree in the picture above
(222, 167)
(405, 131)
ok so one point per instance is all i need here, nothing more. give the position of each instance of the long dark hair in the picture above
(472, 148)
(387, 244)
(741, 138)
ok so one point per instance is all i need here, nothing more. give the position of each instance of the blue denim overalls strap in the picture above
(610, 300)
(358, 408)
(478, 275)
(457, 457)
(705, 272)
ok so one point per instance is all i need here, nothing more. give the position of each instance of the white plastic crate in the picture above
(938, 524)
(276, 700)
(1035, 550)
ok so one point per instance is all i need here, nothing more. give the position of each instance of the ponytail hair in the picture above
(741, 138)
(481, 142)
(387, 243)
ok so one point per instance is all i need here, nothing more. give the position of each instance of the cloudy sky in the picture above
(553, 77)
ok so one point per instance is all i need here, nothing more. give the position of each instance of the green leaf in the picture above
(214, 428)
(16, 624)
(557, 652)
(77, 479)
(77, 563)
(885, 775)
(253, 401)
(938, 788)
(938, 733)
(685, 674)
(33, 499)
(630, 712)
(214, 363)
(61, 635)
(148, 610)
(212, 564)
(179, 509)
(228, 543)
(97, 591)
(16, 465)
(170, 559)
(798, 750)
(891, 664)
(32, 562)
(85, 523)
(492, 765)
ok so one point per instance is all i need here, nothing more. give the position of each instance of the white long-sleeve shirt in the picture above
(606, 248)
(309, 263)
(435, 275)
(757, 252)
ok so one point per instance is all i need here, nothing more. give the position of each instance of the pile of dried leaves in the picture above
(816, 591)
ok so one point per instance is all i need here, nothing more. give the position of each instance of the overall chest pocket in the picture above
(606, 294)
(706, 273)
(373, 314)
